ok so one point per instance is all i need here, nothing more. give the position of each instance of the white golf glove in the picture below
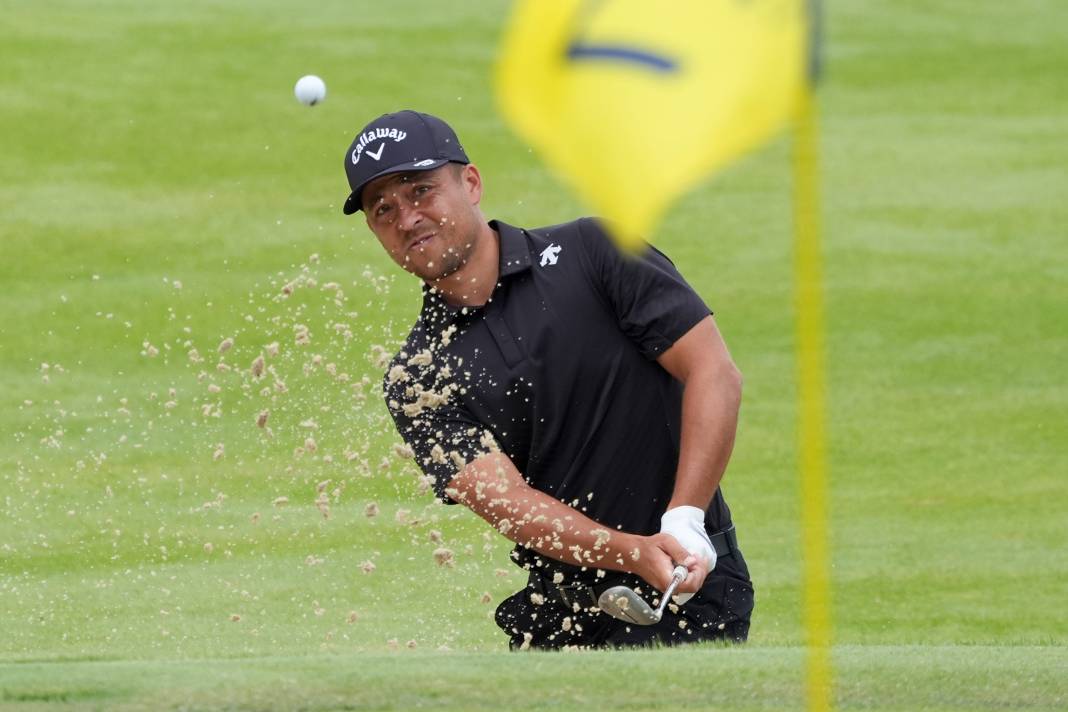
(687, 524)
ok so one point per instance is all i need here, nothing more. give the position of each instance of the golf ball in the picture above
(310, 90)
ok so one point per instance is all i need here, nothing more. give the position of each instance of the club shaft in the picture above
(675, 581)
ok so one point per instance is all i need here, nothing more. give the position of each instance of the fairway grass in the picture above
(160, 187)
(750, 678)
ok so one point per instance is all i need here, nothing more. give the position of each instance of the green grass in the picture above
(754, 678)
(146, 143)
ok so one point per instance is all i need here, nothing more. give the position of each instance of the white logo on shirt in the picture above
(548, 255)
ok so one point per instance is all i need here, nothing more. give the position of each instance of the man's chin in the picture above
(430, 275)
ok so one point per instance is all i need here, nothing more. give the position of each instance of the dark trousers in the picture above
(539, 617)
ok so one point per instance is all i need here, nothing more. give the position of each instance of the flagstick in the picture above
(811, 389)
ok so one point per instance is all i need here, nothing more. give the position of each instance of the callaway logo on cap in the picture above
(394, 143)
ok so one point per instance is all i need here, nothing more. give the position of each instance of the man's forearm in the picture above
(710, 403)
(712, 394)
(495, 491)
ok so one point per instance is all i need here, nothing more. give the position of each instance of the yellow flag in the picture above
(634, 101)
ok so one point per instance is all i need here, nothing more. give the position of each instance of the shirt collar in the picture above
(515, 253)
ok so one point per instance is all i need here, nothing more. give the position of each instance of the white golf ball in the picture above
(310, 90)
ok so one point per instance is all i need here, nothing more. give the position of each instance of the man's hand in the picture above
(659, 555)
(687, 524)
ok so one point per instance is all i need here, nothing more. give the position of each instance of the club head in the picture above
(623, 603)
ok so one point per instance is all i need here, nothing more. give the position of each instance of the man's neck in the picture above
(473, 284)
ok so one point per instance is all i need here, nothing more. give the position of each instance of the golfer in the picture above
(578, 398)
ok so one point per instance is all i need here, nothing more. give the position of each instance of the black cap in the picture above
(393, 143)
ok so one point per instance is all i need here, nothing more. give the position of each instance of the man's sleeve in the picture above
(653, 303)
(441, 434)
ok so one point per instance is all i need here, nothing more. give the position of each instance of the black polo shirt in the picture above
(558, 371)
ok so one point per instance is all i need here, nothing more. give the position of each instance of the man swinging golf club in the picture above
(579, 399)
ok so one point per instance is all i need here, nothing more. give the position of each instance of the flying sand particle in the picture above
(444, 557)
(423, 358)
(398, 373)
(379, 356)
(457, 460)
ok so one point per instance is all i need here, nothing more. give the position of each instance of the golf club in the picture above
(623, 603)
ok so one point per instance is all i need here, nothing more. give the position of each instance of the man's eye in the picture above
(422, 189)
(381, 210)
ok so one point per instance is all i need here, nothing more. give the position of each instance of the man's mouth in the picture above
(421, 241)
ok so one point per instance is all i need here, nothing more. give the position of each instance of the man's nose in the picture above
(410, 216)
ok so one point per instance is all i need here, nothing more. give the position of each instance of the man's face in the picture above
(427, 221)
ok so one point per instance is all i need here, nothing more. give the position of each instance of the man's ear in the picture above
(472, 182)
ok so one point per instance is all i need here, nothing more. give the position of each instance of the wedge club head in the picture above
(623, 603)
